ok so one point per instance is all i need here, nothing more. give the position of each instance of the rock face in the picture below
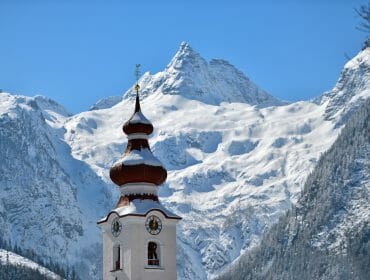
(326, 234)
(48, 199)
(352, 87)
(32, 178)
(236, 159)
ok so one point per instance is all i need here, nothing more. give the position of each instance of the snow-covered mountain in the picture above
(192, 77)
(237, 158)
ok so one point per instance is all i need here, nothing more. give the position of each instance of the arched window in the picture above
(153, 254)
(117, 257)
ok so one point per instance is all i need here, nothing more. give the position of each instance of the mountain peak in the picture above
(192, 77)
(186, 49)
(185, 55)
(185, 46)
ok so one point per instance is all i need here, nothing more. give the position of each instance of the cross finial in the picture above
(137, 74)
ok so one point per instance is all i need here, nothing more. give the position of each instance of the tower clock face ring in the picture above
(153, 225)
(116, 227)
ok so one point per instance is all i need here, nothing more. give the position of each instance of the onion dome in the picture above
(138, 164)
(138, 123)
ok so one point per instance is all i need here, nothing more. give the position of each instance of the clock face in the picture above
(116, 227)
(153, 225)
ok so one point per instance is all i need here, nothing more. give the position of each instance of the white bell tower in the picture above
(139, 235)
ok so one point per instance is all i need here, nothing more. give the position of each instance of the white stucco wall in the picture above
(134, 240)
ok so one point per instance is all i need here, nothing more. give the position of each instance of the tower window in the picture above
(153, 254)
(117, 257)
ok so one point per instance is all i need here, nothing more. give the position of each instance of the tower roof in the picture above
(138, 173)
(137, 123)
(138, 164)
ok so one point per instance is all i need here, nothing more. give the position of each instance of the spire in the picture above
(137, 104)
(137, 88)
(138, 123)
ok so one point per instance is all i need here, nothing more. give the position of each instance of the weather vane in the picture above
(137, 74)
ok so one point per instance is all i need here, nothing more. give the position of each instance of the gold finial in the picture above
(137, 88)
(137, 74)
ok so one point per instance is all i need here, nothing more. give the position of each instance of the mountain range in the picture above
(237, 159)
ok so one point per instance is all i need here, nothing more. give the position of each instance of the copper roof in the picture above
(137, 122)
(138, 164)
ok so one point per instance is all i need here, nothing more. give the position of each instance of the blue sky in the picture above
(77, 52)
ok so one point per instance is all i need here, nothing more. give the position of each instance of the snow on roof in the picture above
(141, 207)
(138, 117)
(144, 156)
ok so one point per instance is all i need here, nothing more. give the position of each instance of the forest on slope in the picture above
(31, 267)
(326, 235)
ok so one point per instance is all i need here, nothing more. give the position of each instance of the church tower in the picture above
(139, 234)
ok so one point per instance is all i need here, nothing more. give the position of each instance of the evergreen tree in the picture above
(364, 13)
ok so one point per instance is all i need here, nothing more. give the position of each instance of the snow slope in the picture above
(232, 168)
(12, 258)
